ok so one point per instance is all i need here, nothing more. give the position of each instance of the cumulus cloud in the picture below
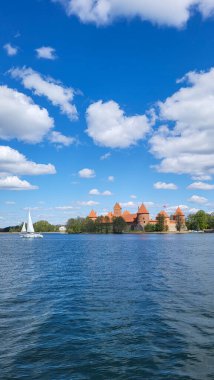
(87, 203)
(172, 209)
(46, 52)
(98, 192)
(187, 145)
(87, 173)
(10, 49)
(198, 199)
(59, 139)
(65, 208)
(129, 204)
(111, 178)
(53, 90)
(15, 183)
(166, 12)
(21, 118)
(109, 126)
(13, 162)
(133, 196)
(200, 186)
(165, 186)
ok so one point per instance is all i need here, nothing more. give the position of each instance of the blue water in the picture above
(107, 307)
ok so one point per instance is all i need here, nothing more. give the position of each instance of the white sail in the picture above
(24, 228)
(30, 228)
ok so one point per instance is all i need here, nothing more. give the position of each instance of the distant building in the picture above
(62, 229)
(142, 217)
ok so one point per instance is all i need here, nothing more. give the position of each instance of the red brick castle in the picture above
(142, 217)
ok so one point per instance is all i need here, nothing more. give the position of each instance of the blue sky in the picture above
(123, 89)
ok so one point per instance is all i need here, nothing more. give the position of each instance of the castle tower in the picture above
(166, 217)
(117, 210)
(92, 215)
(143, 216)
(179, 216)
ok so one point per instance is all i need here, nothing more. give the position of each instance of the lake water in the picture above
(107, 307)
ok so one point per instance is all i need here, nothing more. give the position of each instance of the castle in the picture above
(142, 217)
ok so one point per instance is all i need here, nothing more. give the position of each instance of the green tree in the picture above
(119, 225)
(44, 226)
(160, 226)
(75, 226)
(198, 221)
(211, 221)
(179, 223)
(150, 228)
(89, 225)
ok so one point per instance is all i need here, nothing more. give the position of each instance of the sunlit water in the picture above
(107, 307)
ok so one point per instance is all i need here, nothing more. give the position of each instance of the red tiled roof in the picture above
(117, 205)
(142, 210)
(129, 218)
(179, 212)
(162, 212)
(92, 214)
(126, 212)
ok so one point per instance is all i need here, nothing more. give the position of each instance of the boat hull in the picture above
(32, 236)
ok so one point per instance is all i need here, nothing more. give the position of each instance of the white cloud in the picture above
(15, 183)
(105, 156)
(54, 91)
(200, 186)
(129, 204)
(57, 138)
(108, 126)
(87, 173)
(65, 208)
(98, 192)
(198, 199)
(46, 52)
(111, 178)
(174, 13)
(94, 192)
(10, 203)
(202, 177)
(165, 186)
(133, 196)
(106, 193)
(172, 209)
(193, 210)
(13, 162)
(21, 118)
(10, 50)
(87, 203)
(187, 146)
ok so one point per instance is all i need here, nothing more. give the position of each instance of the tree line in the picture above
(199, 221)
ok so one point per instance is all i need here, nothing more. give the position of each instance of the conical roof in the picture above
(117, 205)
(162, 212)
(126, 212)
(142, 210)
(92, 214)
(179, 212)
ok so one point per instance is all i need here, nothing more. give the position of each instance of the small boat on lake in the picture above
(29, 233)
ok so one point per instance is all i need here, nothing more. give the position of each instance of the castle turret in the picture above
(179, 216)
(166, 217)
(143, 216)
(92, 215)
(117, 210)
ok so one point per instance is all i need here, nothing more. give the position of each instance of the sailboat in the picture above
(29, 233)
(23, 230)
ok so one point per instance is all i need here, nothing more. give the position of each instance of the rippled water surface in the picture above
(107, 307)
